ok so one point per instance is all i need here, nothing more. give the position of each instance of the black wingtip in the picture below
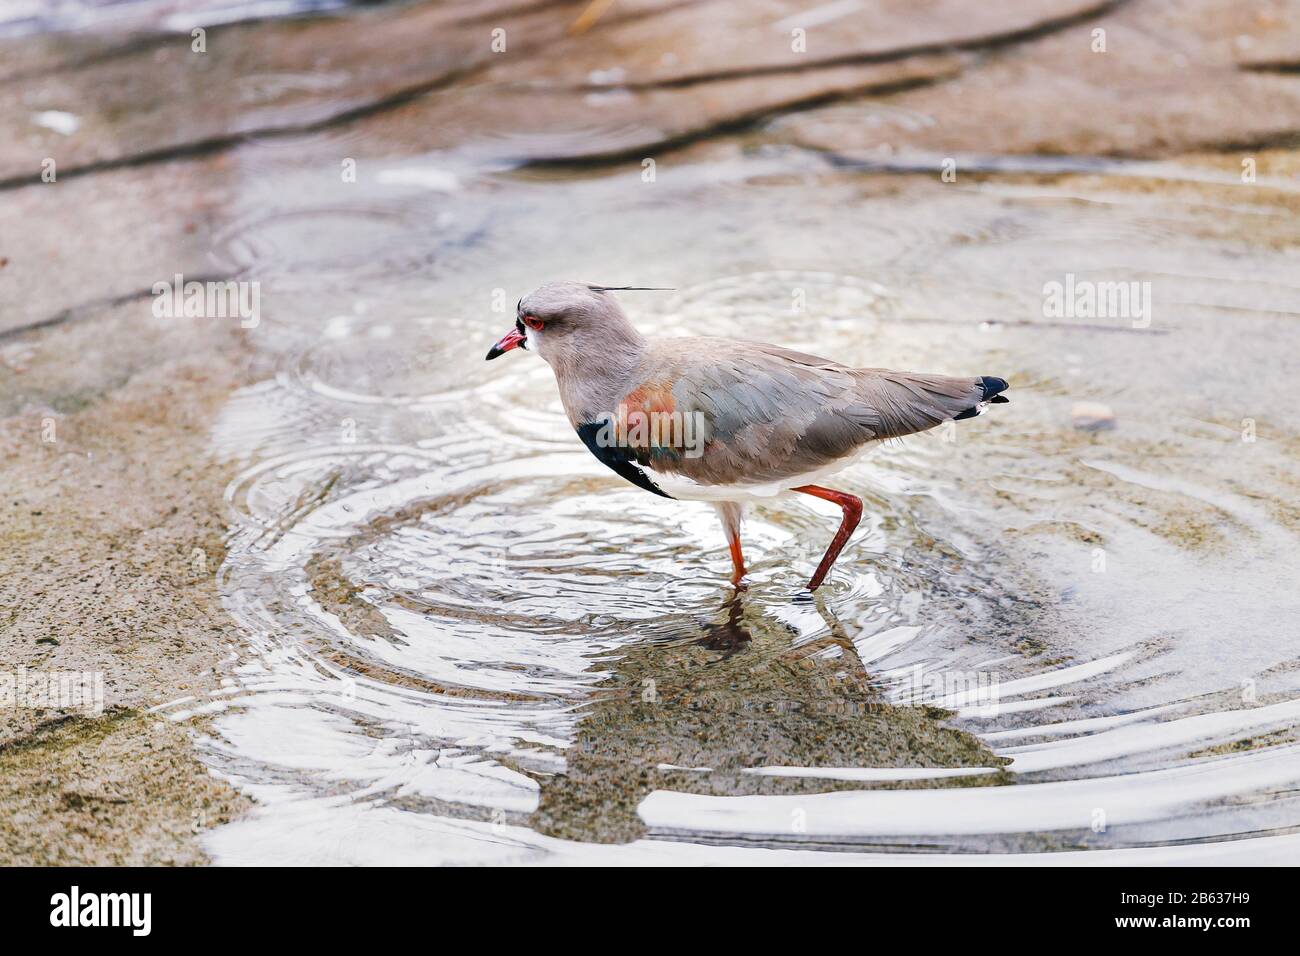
(992, 386)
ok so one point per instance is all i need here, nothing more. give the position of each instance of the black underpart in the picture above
(992, 387)
(618, 459)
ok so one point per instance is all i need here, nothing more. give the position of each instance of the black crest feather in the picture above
(629, 288)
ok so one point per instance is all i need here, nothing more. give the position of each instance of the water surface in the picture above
(466, 642)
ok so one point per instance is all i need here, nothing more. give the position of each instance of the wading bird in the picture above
(727, 421)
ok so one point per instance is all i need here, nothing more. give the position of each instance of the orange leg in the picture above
(852, 515)
(737, 559)
(731, 512)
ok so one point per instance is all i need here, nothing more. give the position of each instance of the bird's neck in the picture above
(592, 383)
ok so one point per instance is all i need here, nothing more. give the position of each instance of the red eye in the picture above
(533, 322)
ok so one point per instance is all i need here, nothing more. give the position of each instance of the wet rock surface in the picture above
(1162, 78)
(113, 534)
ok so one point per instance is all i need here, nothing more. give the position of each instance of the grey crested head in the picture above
(575, 324)
(583, 334)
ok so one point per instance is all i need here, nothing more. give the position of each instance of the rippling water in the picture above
(464, 641)
(26, 17)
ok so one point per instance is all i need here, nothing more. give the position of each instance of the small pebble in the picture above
(1092, 416)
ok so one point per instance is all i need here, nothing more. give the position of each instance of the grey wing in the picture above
(768, 414)
(893, 404)
(766, 417)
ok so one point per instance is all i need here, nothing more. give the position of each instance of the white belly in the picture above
(685, 489)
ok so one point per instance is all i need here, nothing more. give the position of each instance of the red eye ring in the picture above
(534, 323)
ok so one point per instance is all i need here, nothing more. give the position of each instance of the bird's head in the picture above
(562, 321)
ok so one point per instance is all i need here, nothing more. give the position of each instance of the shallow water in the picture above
(464, 641)
(19, 18)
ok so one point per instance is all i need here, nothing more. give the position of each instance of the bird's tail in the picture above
(903, 403)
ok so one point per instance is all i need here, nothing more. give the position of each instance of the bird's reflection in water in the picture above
(728, 636)
(696, 709)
